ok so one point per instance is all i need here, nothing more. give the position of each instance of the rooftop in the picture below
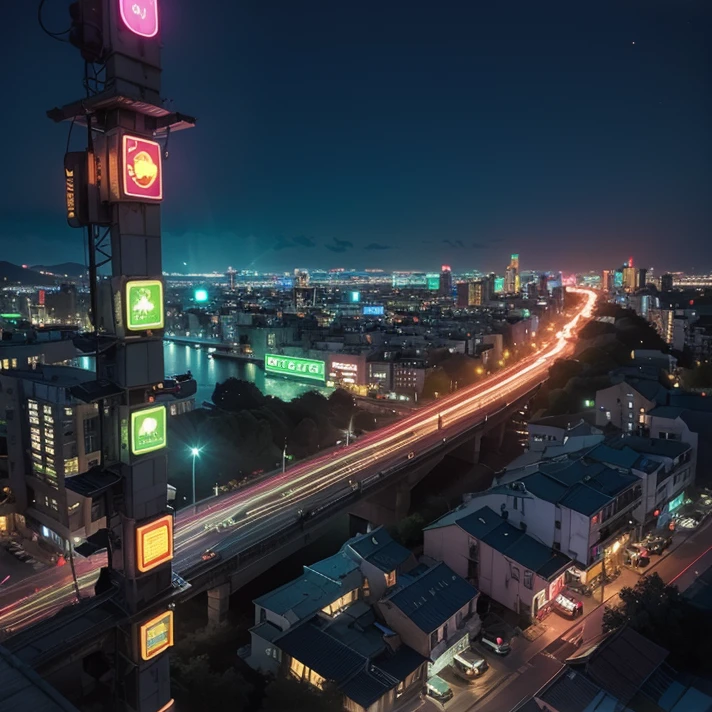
(378, 548)
(22, 689)
(433, 597)
(487, 526)
(650, 446)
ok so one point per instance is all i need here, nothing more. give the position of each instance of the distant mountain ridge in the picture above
(12, 274)
(66, 269)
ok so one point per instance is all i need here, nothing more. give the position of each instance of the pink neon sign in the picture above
(140, 16)
(141, 168)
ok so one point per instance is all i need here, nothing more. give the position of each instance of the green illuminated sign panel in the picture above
(433, 282)
(297, 367)
(498, 285)
(144, 304)
(148, 430)
(354, 297)
(200, 295)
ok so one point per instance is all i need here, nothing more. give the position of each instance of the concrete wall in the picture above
(621, 401)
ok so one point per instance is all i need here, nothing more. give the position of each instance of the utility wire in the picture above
(54, 35)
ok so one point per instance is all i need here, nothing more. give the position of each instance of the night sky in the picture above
(396, 134)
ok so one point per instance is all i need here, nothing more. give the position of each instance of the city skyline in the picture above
(455, 137)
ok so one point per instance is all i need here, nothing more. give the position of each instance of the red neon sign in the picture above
(140, 16)
(142, 170)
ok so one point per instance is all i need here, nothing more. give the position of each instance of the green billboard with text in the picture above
(144, 304)
(296, 367)
(148, 430)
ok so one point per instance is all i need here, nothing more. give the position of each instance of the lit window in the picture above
(391, 579)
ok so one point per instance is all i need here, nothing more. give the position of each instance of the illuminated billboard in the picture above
(144, 304)
(141, 168)
(148, 430)
(354, 297)
(154, 543)
(433, 282)
(200, 295)
(373, 311)
(297, 367)
(498, 285)
(156, 635)
(140, 16)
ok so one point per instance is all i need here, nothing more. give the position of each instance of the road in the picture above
(532, 665)
(261, 508)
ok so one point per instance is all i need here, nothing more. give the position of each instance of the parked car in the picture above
(209, 554)
(495, 642)
(657, 543)
(637, 555)
(567, 605)
(438, 689)
(469, 665)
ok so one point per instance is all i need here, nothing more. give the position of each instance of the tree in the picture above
(436, 382)
(304, 440)
(197, 686)
(286, 693)
(311, 403)
(660, 613)
(234, 395)
(342, 405)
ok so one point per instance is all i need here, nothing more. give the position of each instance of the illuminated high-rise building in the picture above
(445, 281)
(630, 278)
(666, 283)
(511, 276)
(231, 277)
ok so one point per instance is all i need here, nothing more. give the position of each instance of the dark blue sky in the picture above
(387, 133)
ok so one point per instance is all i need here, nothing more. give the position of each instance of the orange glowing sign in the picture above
(156, 635)
(154, 543)
(141, 167)
(140, 16)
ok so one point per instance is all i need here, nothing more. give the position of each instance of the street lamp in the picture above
(348, 432)
(194, 451)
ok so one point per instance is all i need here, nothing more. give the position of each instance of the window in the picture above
(630, 405)
(515, 572)
(333, 609)
(433, 639)
(391, 579)
(557, 524)
(71, 466)
(458, 619)
(68, 412)
(91, 434)
(445, 632)
(528, 579)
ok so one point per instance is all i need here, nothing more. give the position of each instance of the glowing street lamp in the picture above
(194, 451)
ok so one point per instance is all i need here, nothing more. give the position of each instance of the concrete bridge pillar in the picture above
(218, 604)
(469, 451)
(499, 434)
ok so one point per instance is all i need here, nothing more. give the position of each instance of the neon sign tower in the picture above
(114, 190)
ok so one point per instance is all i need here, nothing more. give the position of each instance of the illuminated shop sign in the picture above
(338, 366)
(148, 430)
(157, 635)
(141, 168)
(140, 16)
(373, 311)
(298, 367)
(154, 543)
(433, 281)
(144, 304)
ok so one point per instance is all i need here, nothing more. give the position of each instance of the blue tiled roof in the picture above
(480, 523)
(367, 687)
(304, 596)
(583, 499)
(336, 567)
(321, 652)
(378, 548)
(401, 663)
(516, 545)
(620, 457)
(432, 598)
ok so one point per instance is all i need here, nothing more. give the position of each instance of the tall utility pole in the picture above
(114, 190)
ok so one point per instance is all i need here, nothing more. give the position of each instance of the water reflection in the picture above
(180, 358)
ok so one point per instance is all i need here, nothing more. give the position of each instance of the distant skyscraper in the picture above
(630, 278)
(231, 277)
(666, 283)
(511, 276)
(642, 276)
(446, 281)
(543, 286)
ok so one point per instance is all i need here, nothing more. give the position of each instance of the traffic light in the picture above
(87, 30)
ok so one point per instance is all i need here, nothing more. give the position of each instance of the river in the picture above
(180, 358)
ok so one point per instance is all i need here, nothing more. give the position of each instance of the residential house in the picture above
(580, 508)
(434, 611)
(556, 432)
(323, 627)
(625, 404)
(665, 468)
(500, 559)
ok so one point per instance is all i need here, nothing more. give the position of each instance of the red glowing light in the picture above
(656, 513)
(630, 262)
(445, 268)
(140, 16)
(142, 170)
(692, 301)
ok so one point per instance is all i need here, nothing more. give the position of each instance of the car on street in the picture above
(495, 642)
(657, 543)
(567, 605)
(438, 689)
(209, 555)
(468, 665)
